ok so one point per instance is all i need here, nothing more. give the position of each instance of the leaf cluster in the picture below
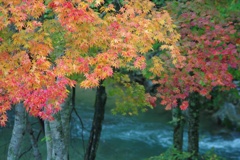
(175, 154)
(129, 96)
(208, 48)
(52, 41)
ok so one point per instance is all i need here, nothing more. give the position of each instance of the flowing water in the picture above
(148, 134)
(136, 138)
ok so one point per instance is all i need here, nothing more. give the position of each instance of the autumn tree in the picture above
(209, 49)
(27, 74)
(36, 66)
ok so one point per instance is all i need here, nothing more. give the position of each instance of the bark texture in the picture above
(17, 133)
(98, 118)
(57, 133)
(59, 150)
(193, 130)
(178, 123)
(48, 139)
(65, 119)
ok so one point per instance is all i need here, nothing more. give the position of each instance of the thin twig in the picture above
(79, 117)
(29, 149)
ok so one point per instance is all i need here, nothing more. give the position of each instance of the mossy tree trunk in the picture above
(193, 128)
(98, 118)
(178, 123)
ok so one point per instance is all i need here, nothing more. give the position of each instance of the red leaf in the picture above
(184, 105)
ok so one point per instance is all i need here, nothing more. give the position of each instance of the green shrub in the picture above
(174, 154)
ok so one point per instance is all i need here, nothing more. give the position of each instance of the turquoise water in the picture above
(137, 138)
(148, 134)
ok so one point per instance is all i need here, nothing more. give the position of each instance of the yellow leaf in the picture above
(98, 2)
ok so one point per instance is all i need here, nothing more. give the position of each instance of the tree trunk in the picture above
(57, 133)
(178, 123)
(193, 127)
(17, 133)
(59, 148)
(65, 119)
(95, 134)
(48, 139)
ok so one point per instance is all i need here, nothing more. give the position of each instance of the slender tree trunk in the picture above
(193, 129)
(65, 119)
(98, 118)
(48, 139)
(18, 132)
(57, 133)
(59, 148)
(178, 123)
(36, 153)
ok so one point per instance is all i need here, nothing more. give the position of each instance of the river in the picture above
(148, 134)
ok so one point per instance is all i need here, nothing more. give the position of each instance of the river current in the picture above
(148, 134)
